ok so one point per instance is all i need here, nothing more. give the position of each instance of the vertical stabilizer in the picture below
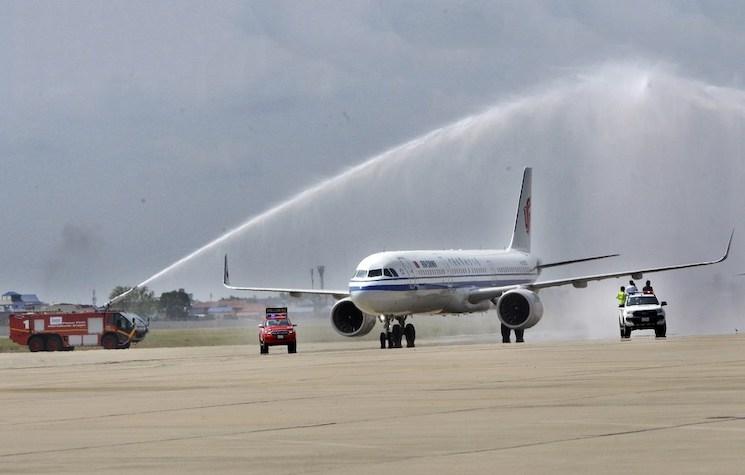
(521, 235)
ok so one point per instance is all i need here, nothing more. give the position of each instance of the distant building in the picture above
(14, 302)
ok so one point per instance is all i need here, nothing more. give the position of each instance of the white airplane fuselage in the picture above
(435, 282)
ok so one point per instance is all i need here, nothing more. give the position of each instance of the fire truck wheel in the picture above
(54, 343)
(36, 343)
(125, 346)
(109, 341)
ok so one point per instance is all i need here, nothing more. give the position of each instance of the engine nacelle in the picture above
(519, 309)
(348, 320)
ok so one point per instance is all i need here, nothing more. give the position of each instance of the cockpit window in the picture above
(375, 273)
(387, 273)
(360, 273)
(394, 273)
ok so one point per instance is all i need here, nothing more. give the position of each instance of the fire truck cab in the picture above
(49, 331)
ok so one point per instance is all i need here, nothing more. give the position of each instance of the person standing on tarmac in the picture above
(631, 289)
(648, 288)
(621, 296)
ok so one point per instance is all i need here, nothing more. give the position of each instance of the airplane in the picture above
(391, 286)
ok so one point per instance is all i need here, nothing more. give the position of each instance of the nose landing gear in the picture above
(395, 329)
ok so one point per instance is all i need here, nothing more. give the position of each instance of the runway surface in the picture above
(642, 406)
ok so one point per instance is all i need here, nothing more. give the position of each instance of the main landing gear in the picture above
(506, 334)
(395, 329)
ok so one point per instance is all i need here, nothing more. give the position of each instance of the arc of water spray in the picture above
(442, 132)
(307, 193)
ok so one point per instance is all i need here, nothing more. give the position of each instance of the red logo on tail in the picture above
(526, 212)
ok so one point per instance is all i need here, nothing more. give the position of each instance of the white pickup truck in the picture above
(642, 312)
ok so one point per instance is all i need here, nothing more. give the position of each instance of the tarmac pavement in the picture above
(673, 405)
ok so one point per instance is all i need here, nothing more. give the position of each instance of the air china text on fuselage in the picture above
(388, 287)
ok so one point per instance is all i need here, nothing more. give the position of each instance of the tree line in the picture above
(173, 305)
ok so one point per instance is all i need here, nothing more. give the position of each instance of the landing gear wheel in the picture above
(505, 333)
(410, 334)
(383, 340)
(109, 341)
(397, 334)
(36, 343)
(519, 335)
(292, 348)
(661, 331)
(54, 343)
(263, 349)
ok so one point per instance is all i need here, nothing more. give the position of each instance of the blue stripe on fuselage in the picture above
(433, 286)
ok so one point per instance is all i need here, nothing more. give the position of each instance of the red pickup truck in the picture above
(276, 329)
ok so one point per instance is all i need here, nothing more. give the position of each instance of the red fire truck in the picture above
(49, 331)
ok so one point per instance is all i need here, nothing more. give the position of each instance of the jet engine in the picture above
(519, 309)
(348, 320)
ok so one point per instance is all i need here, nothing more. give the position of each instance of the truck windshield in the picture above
(643, 300)
(275, 323)
(123, 322)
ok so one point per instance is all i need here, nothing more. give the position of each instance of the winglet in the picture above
(729, 246)
(226, 275)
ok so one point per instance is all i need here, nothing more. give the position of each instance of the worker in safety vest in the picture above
(621, 296)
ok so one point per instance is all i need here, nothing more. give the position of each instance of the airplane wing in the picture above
(337, 294)
(490, 293)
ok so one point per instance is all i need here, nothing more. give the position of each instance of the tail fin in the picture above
(521, 235)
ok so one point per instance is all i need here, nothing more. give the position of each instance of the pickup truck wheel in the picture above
(621, 329)
(263, 349)
(627, 332)
(54, 343)
(292, 348)
(36, 343)
(661, 331)
(109, 341)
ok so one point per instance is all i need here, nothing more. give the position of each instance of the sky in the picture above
(133, 133)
